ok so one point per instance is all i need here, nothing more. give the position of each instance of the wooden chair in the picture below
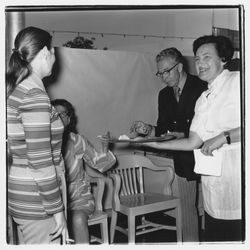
(130, 198)
(99, 217)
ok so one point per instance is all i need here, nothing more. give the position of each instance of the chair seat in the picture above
(146, 202)
(97, 216)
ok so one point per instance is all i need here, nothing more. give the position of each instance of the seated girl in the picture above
(81, 160)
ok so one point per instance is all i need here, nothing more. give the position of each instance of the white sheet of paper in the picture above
(211, 165)
(208, 165)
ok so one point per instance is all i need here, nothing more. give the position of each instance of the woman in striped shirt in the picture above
(34, 142)
(81, 161)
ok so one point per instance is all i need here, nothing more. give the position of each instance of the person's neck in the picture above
(36, 68)
(182, 80)
(37, 74)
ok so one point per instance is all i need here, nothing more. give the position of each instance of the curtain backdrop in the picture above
(109, 89)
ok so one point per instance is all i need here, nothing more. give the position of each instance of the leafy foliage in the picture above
(81, 43)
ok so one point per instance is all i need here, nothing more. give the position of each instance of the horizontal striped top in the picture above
(80, 152)
(34, 140)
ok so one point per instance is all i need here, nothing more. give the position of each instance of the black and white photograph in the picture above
(124, 124)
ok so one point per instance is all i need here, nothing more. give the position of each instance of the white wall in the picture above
(228, 19)
(109, 89)
(181, 25)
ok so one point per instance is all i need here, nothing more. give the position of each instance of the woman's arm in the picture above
(92, 172)
(184, 144)
(100, 161)
(218, 141)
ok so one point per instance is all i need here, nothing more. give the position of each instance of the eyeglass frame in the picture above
(63, 114)
(158, 74)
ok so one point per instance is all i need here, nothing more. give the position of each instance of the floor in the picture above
(160, 237)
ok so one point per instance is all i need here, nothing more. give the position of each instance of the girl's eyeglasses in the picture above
(63, 114)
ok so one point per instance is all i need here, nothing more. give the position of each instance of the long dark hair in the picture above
(73, 120)
(27, 45)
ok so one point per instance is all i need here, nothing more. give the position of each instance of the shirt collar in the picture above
(216, 85)
(37, 81)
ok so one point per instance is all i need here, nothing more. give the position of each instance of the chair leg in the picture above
(113, 225)
(131, 229)
(178, 223)
(104, 231)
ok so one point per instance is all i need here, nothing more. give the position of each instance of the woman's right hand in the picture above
(60, 227)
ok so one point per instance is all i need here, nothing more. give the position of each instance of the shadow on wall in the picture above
(189, 65)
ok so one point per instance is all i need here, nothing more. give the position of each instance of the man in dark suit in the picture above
(176, 104)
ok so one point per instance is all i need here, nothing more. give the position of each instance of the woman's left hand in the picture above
(60, 227)
(211, 144)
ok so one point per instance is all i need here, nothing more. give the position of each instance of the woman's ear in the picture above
(44, 51)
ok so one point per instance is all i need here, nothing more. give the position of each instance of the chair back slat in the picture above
(127, 182)
(123, 185)
(133, 170)
(131, 180)
(131, 184)
(141, 182)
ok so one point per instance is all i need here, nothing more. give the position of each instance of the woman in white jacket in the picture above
(215, 130)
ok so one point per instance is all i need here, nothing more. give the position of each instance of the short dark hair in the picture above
(223, 45)
(172, 53)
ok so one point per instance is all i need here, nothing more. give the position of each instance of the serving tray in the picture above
(137, 140)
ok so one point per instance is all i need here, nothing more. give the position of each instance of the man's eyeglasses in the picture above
(166, 72)
(63, 114)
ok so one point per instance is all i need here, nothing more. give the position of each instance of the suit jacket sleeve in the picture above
(162, 121)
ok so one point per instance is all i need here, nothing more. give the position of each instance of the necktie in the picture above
(177, 93)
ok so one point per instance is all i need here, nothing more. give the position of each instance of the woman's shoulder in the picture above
(74, 142)
(232, 79)
(74, 137)
(232, 74)
(32, 82)
(26, 91)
